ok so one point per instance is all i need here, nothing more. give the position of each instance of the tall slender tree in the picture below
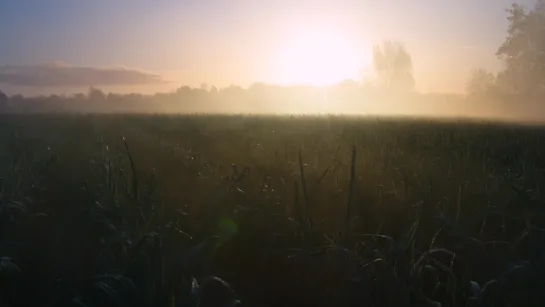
(393, 66)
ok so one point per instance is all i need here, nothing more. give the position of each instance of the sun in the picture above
(319, 57)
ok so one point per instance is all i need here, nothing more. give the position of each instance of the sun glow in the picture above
(320, 57)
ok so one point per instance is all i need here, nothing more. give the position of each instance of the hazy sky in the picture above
(143, 43)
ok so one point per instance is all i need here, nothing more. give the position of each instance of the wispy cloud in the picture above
(60, 74)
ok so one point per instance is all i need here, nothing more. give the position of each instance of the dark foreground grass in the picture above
(291, 211)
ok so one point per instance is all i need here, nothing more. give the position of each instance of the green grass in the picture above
(116, 210)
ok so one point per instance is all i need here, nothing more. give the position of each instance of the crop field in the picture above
(136, 210)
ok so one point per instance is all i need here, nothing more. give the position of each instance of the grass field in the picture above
(114, 210)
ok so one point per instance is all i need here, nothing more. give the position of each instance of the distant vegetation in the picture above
(393, 67)
(515, 91)
(523, 54)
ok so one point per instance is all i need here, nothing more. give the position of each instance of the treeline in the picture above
(258, 98)
(518, 89)
(349, 97)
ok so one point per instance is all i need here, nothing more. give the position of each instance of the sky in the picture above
(146, 46)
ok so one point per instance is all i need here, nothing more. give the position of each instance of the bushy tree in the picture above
(481, 83)
(523, 52)
(96, 95)
(393, 66)
(3, 99)
(79, 97)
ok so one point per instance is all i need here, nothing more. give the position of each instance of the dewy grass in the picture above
(439, 213)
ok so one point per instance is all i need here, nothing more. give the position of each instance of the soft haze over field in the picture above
(241, 42)
(358, 57)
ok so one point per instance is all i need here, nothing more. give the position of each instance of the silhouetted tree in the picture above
(523, 52)
(232, 90)
(96, 95)
(3, 99)
(184, 90)
(17, 98)
(393, 66)
(79, 97)
(481, 83)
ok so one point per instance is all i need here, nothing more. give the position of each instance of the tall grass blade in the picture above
(351, 186)
(458, 203)
(133, 170)
(304, 188)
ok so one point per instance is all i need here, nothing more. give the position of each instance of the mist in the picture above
(513, 92)
(348, 98)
